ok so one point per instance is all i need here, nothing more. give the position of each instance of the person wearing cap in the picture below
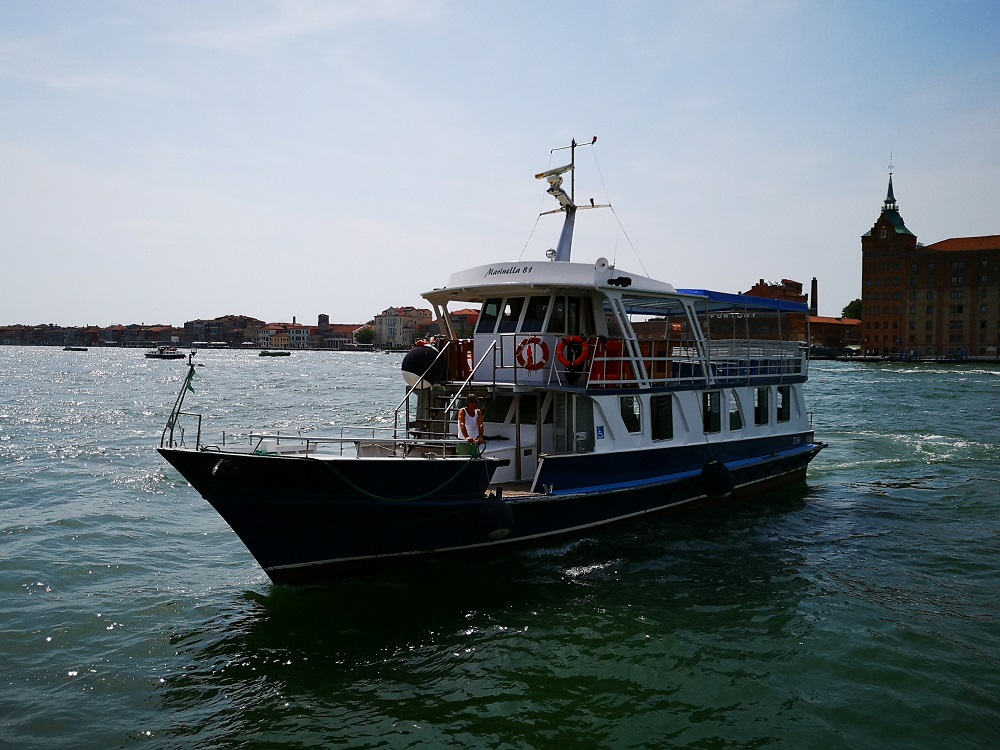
(470, 421)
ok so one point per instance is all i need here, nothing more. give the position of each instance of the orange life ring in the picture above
(526, 353)
(572, 341)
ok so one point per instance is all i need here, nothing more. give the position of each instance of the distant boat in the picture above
(165, 352)
(267, 353)
(74, 348)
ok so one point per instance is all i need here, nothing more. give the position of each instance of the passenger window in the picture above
(488, 316)
(630, 413)
(760, 410)
(735, 415)
(661, 414)
(784, 403)
(712, 411)
(511, 314)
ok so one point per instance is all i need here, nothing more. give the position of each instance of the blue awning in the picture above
(705, 301)
(723, 300)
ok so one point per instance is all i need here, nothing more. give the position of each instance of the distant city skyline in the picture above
(169, 161)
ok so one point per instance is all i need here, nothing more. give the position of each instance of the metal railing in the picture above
(609, 363)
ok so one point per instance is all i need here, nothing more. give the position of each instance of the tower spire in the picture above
(890, 199)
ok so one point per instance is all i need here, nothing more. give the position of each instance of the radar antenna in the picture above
(567, 203)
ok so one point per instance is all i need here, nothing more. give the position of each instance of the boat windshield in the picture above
(510, 314)
(534, 316)
(560, 314)
(488, 315)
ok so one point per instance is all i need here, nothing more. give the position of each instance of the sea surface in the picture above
(860, 609)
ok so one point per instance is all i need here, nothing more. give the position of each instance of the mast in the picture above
(567, 203)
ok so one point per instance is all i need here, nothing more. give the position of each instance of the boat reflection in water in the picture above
(586, 422)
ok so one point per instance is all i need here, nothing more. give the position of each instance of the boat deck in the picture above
(516, 489)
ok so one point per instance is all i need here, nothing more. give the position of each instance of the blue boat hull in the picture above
(308, 519)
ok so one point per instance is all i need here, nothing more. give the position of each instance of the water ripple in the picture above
(843, 613)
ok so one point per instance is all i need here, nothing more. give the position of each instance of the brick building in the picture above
(939, 300)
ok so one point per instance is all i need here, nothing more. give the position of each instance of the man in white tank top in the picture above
(470, 421)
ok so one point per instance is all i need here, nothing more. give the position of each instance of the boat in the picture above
(274, 353)
(75, 348)
(608, 396)
(165, 352)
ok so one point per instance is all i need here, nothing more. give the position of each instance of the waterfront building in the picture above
(228, 329)
(299, 336)
(399, 327)
(340, 335)
(938, 300)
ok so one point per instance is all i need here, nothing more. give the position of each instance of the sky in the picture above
(168, 161)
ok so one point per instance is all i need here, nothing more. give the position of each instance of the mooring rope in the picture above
(472, 457)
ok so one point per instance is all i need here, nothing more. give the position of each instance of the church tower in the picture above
(883, 267)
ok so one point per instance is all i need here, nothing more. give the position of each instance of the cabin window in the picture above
(784, 403)
(557, 323)
(579, 320)
(488, 316)
(712, 410)
(527, 409)
(573, 316)
(760, 410)
(534, 317)
(661, 415)
(629, 406)
(735, 415)
(510, 314)
(497, 408)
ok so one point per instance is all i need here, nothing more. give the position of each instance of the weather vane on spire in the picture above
(890, 164)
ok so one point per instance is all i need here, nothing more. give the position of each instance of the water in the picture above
(856, 611)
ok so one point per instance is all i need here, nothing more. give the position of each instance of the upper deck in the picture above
(566, 324)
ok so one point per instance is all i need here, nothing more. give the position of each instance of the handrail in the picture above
(451, 404)
(401, 447)
(644, 363)
(175, 412)
(492, 347)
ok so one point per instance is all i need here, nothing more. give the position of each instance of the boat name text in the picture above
(508, 270)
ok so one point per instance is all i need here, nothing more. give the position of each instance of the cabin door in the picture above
(526, 434)
(573, 420)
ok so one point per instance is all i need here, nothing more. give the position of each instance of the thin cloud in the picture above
(294, 20)
(48, 65)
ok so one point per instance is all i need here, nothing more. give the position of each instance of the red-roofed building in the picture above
(398, 327)
(340, 335)
(939, 300)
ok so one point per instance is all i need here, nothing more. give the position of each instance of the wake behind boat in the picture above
(588, 422)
